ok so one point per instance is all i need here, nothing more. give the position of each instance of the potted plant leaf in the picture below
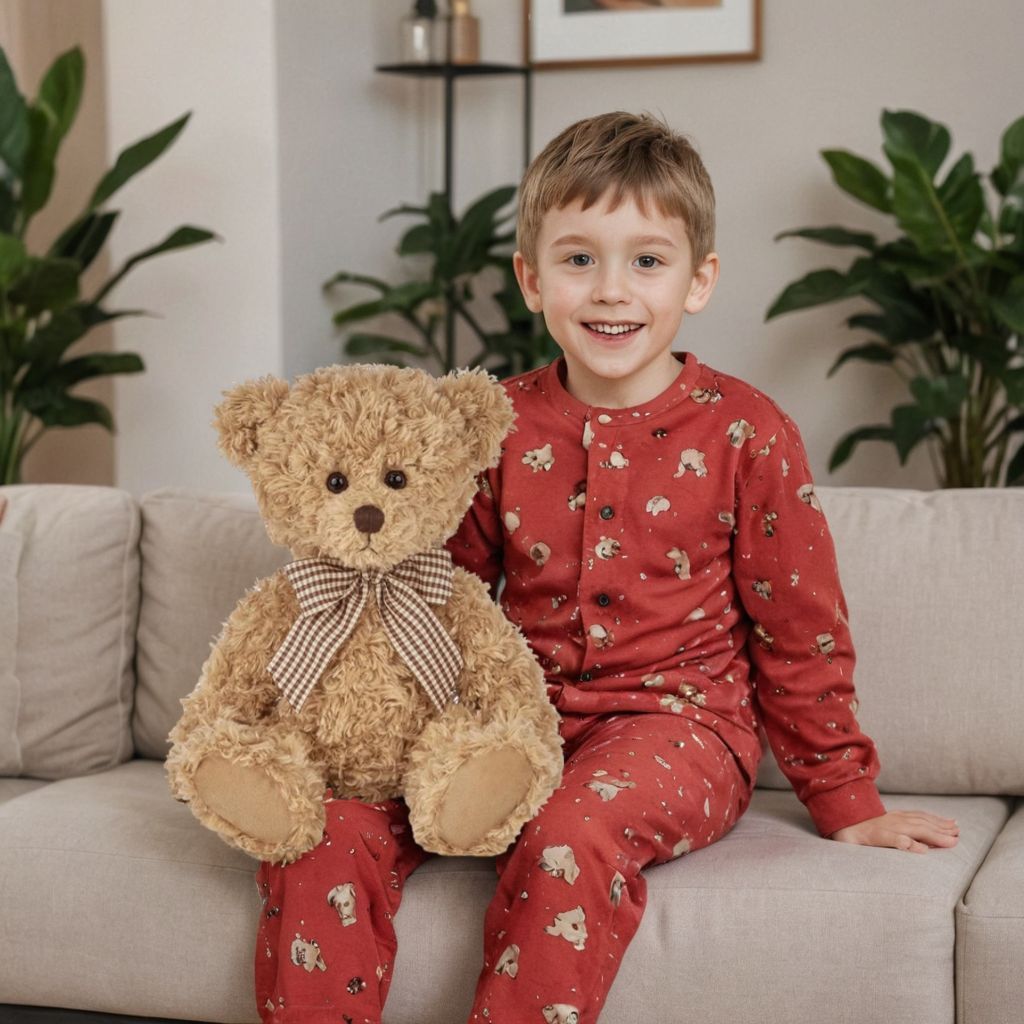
(945, 295)
(460, 250)
(42, 311)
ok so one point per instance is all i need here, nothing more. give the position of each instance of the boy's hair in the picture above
(636, 155)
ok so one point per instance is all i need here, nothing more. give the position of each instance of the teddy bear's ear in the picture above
(244, 410)
(486, 410)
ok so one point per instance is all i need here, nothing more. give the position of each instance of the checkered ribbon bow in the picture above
(331, 600)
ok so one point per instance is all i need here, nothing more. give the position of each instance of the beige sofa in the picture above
(113, 899)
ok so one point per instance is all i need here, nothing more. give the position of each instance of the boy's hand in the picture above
(913, 831)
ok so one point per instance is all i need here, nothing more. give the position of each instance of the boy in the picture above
(656, 524)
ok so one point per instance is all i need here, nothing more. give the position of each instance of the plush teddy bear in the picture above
(369, 665)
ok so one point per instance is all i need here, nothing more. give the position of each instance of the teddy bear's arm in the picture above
(500, 672)
(234, 677)
(243, 767)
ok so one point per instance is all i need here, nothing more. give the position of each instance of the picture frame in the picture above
(564, 34)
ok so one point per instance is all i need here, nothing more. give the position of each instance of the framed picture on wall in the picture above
(611, 33)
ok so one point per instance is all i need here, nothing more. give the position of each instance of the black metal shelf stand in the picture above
(450, 72)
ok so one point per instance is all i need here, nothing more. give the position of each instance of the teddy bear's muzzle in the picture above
(369, 518)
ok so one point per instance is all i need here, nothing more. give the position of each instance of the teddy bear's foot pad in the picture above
(482, 794)
(246, 797)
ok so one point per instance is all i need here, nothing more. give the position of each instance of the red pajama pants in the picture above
(637, 790)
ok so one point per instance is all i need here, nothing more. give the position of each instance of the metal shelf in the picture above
(453, 70)
(450, 72)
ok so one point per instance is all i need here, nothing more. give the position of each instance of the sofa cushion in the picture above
(12, 788)
(990, 933)
(114, 894)
(938, 655)
(10, 688)
(76, 610)
(200, 553)
(175, 902)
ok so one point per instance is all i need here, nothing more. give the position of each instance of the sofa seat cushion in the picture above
(990, 933)
(114, 896)
(114, 893)
(12, 788)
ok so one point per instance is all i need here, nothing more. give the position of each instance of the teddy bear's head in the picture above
(362, 463)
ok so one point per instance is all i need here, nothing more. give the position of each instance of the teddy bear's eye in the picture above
(395, 479)
(337, 482)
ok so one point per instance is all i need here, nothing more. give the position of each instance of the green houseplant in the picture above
(946, 298)
(42, 311)
(460, 249)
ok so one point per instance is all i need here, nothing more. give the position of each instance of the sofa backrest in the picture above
(933, 581)
(69, 600)
(200, 553)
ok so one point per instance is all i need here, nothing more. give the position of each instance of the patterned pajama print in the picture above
(673, 571)
(637, 790)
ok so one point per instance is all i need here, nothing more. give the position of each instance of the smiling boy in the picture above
(665, 554)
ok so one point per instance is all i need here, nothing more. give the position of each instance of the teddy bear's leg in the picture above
(471, 786)
(256, 787)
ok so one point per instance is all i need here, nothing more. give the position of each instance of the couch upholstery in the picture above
(113, 899)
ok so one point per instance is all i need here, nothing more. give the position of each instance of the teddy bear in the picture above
(369, 666)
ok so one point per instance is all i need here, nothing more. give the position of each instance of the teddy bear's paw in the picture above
(246, 797)
(481, 796)
(251, 810)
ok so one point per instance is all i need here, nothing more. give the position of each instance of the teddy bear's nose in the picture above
(369, 518)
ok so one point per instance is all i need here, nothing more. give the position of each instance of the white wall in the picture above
(297, 146)
(354, 143)
(348, 150)
(219, 304)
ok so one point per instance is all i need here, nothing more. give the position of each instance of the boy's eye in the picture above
(579, 256)
(654, 261)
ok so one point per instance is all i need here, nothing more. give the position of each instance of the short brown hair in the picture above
(638, 156)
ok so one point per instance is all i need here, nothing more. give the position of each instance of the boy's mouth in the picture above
(612, 331)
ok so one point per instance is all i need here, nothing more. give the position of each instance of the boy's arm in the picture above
(478, 544)
(800, 648)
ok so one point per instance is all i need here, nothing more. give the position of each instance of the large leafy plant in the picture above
(460, 250)
(42, 311)
(946, 298)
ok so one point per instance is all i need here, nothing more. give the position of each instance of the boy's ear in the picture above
(244, 411)
(486, 412)
(705, 277)
(529, 282)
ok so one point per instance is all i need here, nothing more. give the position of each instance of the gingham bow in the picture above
(332, 597)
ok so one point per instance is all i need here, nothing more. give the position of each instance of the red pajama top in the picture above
(673, 558)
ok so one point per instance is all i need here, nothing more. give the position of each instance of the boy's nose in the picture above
(611, 286)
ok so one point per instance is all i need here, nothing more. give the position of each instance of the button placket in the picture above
(602, 538)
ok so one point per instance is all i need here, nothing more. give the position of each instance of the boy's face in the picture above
(613, 286)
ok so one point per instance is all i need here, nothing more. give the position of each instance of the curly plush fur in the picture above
(252, 768)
